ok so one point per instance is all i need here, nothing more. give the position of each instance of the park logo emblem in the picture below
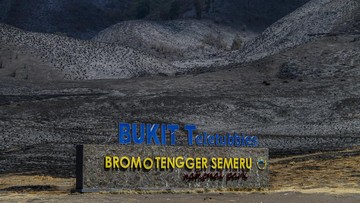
(261, 164)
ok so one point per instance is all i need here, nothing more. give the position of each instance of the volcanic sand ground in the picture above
(319, 177)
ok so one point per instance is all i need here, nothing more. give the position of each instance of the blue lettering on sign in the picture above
(151, 133)
(190, 129)
(138, 139)
(124, 133)
(165, 134)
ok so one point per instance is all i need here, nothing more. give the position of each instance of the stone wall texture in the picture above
(92, 175)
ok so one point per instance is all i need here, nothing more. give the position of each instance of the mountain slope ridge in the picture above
(79, 59)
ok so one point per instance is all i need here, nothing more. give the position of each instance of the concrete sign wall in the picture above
(124, 167)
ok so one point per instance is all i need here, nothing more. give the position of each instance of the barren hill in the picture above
(74, 59)
(138, 48)
(171, 39)
(314, 19)
(300, 100)
(84, 18)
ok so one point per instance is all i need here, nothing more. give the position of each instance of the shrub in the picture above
(214, 41)
(166, 50)
(237, 43)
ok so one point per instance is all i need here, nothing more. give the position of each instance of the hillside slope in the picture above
(75, 59)
(84, 18)
(171, 39)
(138, 48)
(301, 96)
(314, 19)
(300, 100)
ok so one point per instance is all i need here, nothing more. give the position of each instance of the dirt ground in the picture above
(319, 177)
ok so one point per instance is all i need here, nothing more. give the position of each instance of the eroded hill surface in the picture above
(180, 39)
(141, 48)
(84, 18)
(74, 59)
(314, 19)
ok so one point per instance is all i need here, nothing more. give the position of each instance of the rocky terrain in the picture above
(295, 86)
